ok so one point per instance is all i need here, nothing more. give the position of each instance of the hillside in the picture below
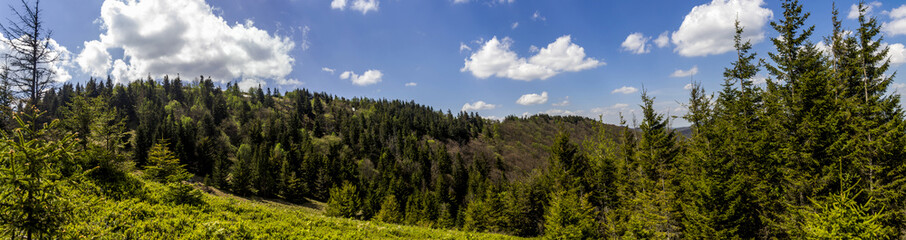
(224, 216)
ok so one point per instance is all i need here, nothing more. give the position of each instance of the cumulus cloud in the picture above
(363, 6)
(292, 81)
(532, 99)
(94, 59)
(460, 1)
(477, 106)
(709, 28)
(896, 54)
(515, 25)
(625, 90)
(327, 69)
(338, 4)
(897, 24)
(823, 48)
(496, 59)
(249, 83)
(55, 51)
(688, 86)
(368, 78)
(636, 43)
(685, 73)
(411, 84)
(662, 40)
(161, 37)
(854, 9)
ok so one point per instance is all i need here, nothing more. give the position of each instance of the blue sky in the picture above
(494, 57)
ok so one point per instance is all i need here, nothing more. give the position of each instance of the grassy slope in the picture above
(228, 217)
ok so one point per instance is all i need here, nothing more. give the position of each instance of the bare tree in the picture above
(30, 58)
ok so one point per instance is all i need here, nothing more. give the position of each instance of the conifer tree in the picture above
(38, 180)
(343, 202)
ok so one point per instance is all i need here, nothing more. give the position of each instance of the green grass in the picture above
(230, 217)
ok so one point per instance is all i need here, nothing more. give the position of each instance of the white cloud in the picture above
(898, 87)
(292, 81)
(161, 37)
(537, 16)
(55, 51)
(411, 84)
(823, 48)
(896, 54)
(708, 29)
(759, 79)
(94, 59)
(368, 78)
(515, 25)
(563, 112)
(363, 6)
(636, 43)
(685, 73)
(460, 1)
(464, 47)
(854, 9)
(338, 4)
(688, 86)
(248, 83)
(532, 99)
(496, 59)
(64, 61)
(618, 107)
(625, 90)
(564, 103)
(476, 106)
(897, 24)
(327, 69)
(662, 40)
(306, 44)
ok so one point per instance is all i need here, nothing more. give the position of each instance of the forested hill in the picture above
(300, 144)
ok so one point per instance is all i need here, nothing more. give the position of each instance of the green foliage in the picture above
(570, 216)
(344, 201)
(839, 216)
(39, 180)
(390, 211)
(163, 166)
(181, 193)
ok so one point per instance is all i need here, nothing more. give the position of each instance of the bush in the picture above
(182, 194)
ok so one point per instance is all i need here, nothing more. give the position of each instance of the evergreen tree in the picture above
(163, 166)
(570, 216)
(390, 210)
(343, 202)
(38, 179)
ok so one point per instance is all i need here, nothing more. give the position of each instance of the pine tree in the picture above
(653, 207)
(343, 202)
(570, 216)
(718, 169)
(163, 166)
(38, 179)
(390, 211)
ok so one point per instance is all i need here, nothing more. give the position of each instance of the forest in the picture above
(817, 152)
